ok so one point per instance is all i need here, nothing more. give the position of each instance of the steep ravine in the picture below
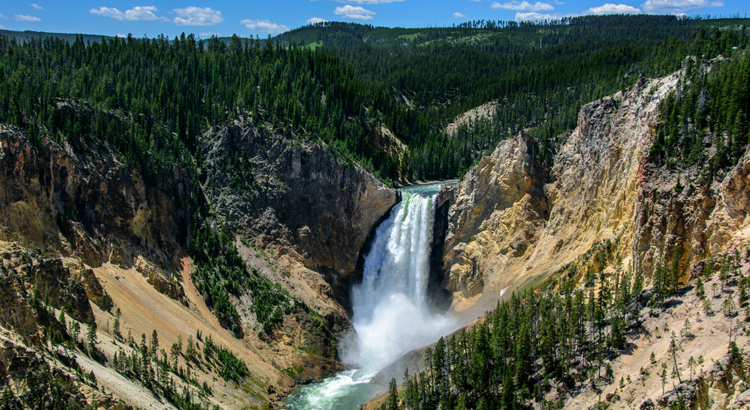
(297, 198)
(91, 228)
(509, 224)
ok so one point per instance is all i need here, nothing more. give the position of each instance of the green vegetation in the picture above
(230, 367)
(539, 73)
(150, 100)
(540, 341)
(220, 272)
(705, 121)
(142, 363)
(156, 97)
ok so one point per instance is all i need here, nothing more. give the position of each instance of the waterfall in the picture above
(391, 315)
(390, 311)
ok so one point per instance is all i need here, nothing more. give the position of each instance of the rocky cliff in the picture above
(85, 236)
(296, 197)
(510, 224)
(90, 206)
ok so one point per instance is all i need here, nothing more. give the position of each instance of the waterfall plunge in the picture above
(390, 309)
(391, 315)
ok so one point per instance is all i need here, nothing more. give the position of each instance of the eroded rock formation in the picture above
(298, 198)
(510, 224)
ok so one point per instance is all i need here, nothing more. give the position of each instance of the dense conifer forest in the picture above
(539, 74)
(158, 95)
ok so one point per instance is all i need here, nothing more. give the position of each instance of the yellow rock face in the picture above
(511, 224)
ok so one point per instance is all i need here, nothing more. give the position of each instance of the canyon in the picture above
(78, 227)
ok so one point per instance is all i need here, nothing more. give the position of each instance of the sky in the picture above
(261, 18)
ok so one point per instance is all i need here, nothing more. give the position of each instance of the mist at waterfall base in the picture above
(390, 307)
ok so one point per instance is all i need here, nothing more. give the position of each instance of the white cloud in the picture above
(138, 13)
(264, 26)
(523, 6)
(354, 12)
(197, 16)
(534, 16)
(316, 20)
(21, 17)
(368, 1)
(677, 6)
(2, 26)
(459, 15)
(2, 16)
(610, 8)
(36, 6)
(120, 35)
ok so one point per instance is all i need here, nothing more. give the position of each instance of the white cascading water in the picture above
(391, 315)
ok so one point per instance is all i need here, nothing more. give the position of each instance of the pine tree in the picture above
(392, 395)
(91, 335)
(691, 364)
(154, 348)
(62, 320)
(190, 349)
(673, 350)
(76, 331)
(174, 354)
(116, 325)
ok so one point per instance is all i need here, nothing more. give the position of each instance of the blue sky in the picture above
(251, 17)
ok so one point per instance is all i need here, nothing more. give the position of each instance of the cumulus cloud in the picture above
(610, 8)
(2, 16)
(316, 20)
(138, 13)
(21, 17)
(459, 15)
(534, 16)
(36, 6)
(523, 6)
(677, 6)
(197, 16)
(264, 26)
(354, 12)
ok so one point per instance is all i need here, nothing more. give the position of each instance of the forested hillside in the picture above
(540, 74)
(151, 99)
(547, 349)
(164, 92)
(154, 96)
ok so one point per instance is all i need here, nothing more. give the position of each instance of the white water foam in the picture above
(391, 315)
(390, 310)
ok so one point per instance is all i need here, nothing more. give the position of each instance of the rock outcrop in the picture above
(74, 225)
(496, 214)
(91, 206)
(296, 197)
(510, 224)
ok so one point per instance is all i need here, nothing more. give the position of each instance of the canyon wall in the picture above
(510, 224)
(94, 236)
